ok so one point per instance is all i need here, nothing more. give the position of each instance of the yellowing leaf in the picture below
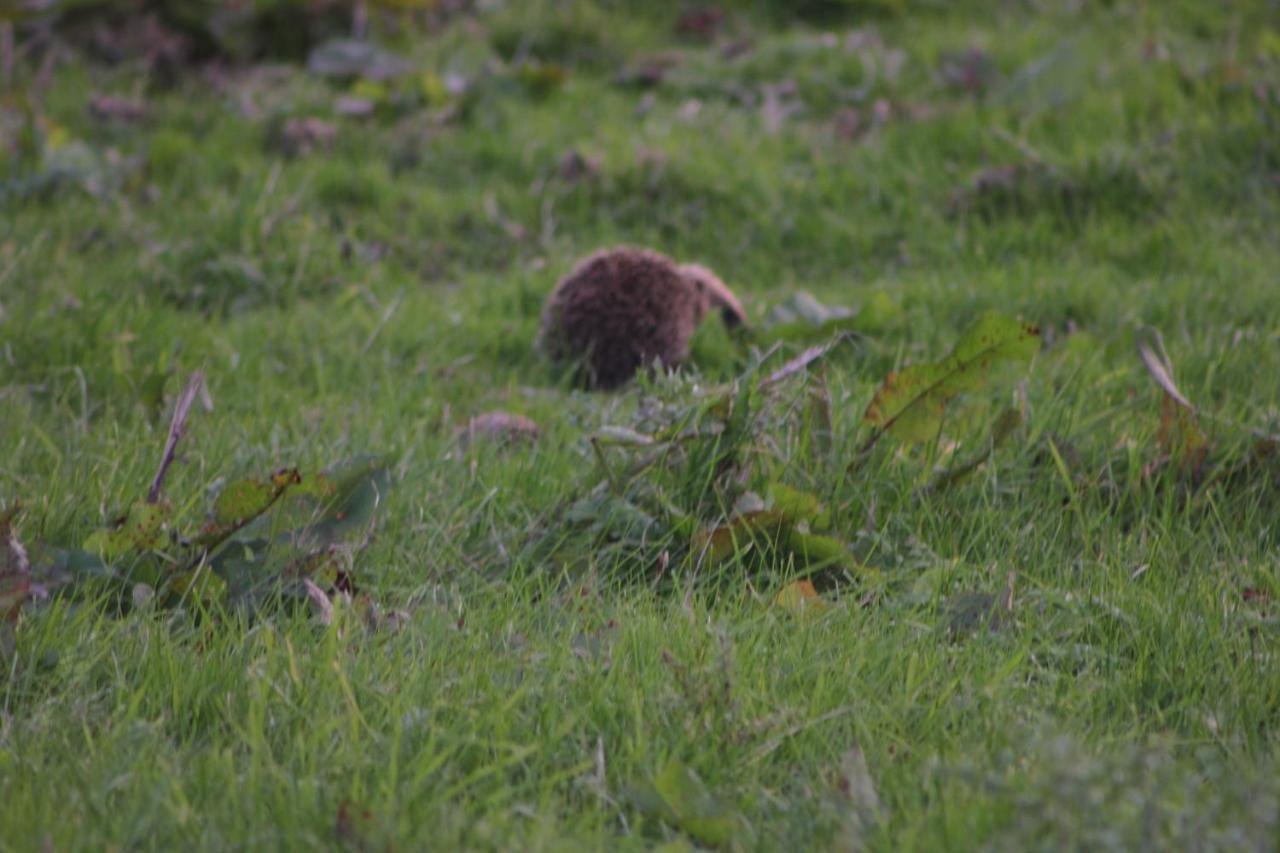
(801, 598)
(910, 404)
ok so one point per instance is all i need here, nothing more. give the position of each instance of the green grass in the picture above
(372, 296)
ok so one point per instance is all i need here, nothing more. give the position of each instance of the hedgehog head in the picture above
(713, 293)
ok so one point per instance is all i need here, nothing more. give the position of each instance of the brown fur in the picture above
(622, 309)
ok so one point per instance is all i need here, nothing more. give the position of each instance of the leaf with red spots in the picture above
(144, 528)
(242, 501)
(911, 403)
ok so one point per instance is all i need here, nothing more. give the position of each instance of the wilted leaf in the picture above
(1180, 435)
(1152, 352)
(910, 404)
(679, 797)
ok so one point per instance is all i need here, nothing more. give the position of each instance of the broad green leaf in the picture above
(201, 584)
(242, 501)
(797, 506)
(325, 509)
(143, 529)
(910, 404)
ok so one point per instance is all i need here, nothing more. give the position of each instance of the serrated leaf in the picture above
(911, 403)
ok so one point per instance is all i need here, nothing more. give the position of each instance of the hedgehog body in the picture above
(624, 309)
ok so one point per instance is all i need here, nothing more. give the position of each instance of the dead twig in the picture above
(177, 429)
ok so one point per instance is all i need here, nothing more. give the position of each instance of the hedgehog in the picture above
(623, 309)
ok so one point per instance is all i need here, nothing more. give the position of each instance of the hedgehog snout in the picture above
(714, 293)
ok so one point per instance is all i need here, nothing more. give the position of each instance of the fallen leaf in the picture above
(801, 598)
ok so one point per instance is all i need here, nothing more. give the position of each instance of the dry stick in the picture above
(177, 429)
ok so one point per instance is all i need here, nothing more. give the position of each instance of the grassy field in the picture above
(1075, 647)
